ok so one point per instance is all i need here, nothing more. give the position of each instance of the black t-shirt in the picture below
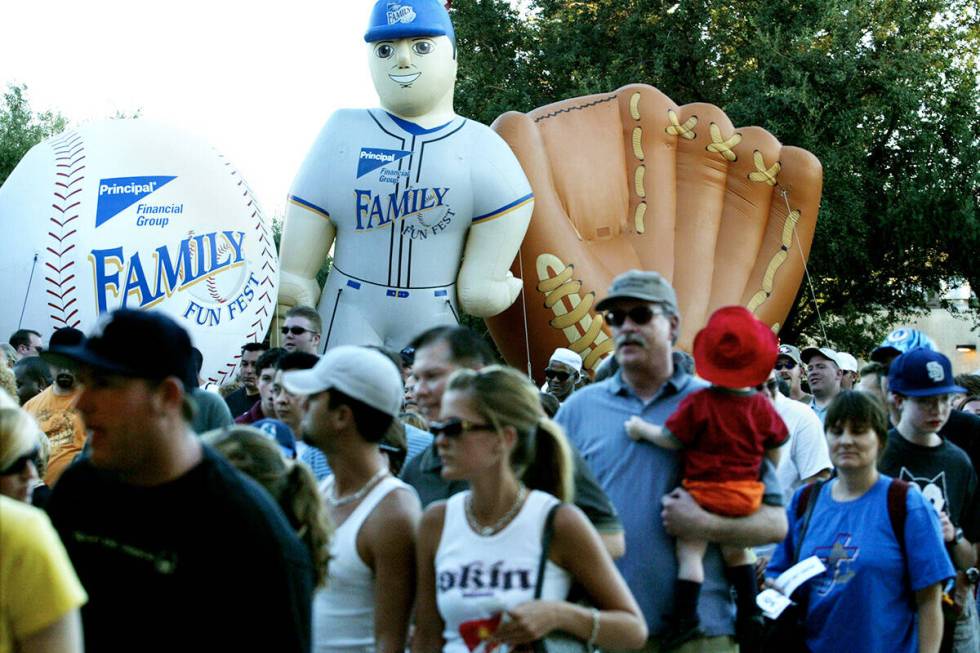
(239, 402)
(424, 473)
(963, 430)
(945, 475)
(204, 562)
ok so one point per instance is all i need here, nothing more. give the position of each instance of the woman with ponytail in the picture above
(479, 551)
(290, 483)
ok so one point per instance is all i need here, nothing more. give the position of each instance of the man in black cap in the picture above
(175, 548)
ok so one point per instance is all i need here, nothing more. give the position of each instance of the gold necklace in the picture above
(498, 525)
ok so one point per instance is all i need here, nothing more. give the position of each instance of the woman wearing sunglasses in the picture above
(41, 610)
(479, 552)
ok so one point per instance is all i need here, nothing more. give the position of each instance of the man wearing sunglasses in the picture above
(789, 367)
(563, 372)
(301, 330)
(641, 479)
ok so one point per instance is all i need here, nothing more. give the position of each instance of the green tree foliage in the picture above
(884, 92)
(21, 129)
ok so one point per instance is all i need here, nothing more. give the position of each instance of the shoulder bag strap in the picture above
(549, 530)
(810, 494)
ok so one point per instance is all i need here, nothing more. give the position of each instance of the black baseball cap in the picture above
(138, 344)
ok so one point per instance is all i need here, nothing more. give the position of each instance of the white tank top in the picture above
(343, 611)
(479, 577)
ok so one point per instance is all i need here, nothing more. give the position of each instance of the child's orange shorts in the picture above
(727, 498)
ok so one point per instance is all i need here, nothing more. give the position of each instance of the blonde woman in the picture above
(23, 448)
(40, 595)
(479, 551)
(291, 484)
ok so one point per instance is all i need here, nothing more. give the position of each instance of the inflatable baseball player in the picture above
(404, 193)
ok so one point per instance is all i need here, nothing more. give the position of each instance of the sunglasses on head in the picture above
(19, 465)
(638, 314)
(556, 374)
(785, 365)
(455, 427)
(296, 330)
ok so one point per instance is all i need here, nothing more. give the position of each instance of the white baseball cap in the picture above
(568, 357)
(359, 372)
(847, 362)
(826, 352)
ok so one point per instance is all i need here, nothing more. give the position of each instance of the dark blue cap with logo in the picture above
(922, 373)
(138, 344)
(399, 19)
(280, 433)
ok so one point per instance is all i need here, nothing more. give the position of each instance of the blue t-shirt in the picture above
(865, 601)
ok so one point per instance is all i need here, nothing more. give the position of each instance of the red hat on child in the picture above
(735, 349)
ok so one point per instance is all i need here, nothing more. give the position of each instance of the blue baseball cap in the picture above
(922, 373)
(401, 19)
(899, 341)
(280, 433)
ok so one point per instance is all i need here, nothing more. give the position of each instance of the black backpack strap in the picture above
(898, 510)
(549, 531)
(804, 510)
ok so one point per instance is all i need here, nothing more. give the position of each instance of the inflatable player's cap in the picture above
(408, 18)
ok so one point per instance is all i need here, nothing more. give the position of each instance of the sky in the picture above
(256, 80)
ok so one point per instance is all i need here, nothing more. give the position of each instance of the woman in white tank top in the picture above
(479, 552)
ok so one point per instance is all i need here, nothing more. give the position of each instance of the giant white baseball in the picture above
(137, 214)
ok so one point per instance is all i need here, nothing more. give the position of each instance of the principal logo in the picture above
(399, 14)
(372, 158)
(119, 193)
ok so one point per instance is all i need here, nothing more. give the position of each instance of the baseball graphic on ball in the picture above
(136, 214)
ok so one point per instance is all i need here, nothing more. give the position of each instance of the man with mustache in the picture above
(54, 409)
(641, 479)
(789, 368)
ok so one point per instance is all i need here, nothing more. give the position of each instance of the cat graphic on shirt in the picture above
(933, 489)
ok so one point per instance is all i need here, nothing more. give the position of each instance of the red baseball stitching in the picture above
(69, 156)
(269, 266)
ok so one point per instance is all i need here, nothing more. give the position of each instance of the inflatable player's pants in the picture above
(359, 312)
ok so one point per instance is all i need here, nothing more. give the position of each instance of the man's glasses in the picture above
(19, 465)
(296, 330)
(556, 374)
(785, 365)
(638, 314)
(455, 427)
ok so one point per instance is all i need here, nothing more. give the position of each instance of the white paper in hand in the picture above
(773, 601)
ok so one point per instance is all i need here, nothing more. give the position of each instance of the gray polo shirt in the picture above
(635, 475)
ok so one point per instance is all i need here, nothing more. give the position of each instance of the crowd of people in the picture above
(430, 499)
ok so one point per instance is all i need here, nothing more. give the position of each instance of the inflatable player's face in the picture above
(413, 75)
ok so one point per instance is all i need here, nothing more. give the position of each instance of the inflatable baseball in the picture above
(136, 214)
(629, 179)
(404, 193)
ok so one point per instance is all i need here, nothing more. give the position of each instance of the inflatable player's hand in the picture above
(294, 290)
(485, 286)
(628, 180)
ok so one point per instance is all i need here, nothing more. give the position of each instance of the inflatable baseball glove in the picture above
(631, 180)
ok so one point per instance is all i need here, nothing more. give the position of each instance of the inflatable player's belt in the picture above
(628, 180)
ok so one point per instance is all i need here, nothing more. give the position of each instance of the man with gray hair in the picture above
(641, 479)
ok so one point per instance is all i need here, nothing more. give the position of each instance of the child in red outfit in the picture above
(723, 433)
